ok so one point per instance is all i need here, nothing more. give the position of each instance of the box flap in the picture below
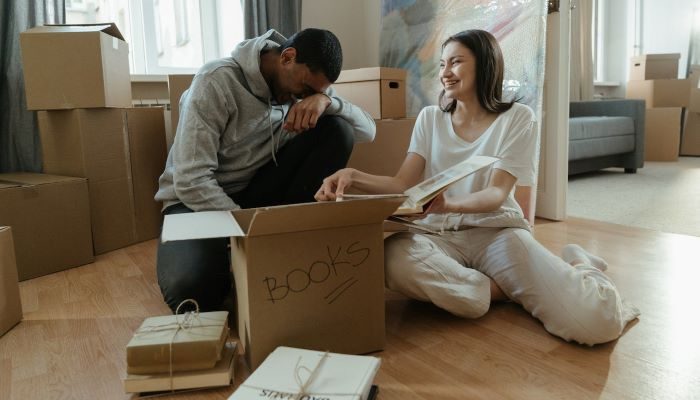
(371, 74)
(29, 179)
(108, 28)
(200, 225)
(313, 216)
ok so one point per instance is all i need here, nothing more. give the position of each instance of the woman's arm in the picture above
(409, 174)
(486, 200)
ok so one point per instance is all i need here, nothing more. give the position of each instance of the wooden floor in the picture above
(77, 323)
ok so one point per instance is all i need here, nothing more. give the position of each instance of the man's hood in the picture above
(247, 55)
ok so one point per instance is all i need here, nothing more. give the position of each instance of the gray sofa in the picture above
(606, 133)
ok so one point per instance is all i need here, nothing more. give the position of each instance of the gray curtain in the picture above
(259, 16)
(20, 149)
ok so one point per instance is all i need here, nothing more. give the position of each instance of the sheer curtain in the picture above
(20, 149)
(261, 15)
(581, 50)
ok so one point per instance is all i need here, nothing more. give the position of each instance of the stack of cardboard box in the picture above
(653, 78)
(382, 93)
(77, 77)
(690, 142)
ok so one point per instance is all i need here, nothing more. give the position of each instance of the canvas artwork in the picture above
(413, 32)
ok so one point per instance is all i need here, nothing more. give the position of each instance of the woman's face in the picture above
(458, 71)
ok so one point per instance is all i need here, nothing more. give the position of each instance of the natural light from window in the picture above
(167, 36)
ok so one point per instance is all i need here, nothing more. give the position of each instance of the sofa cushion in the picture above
(600, 136)
(582, 128)
(598, 147)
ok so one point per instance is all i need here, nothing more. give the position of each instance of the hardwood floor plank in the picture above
(71, 344)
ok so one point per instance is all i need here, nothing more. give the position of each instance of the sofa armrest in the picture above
(632, 108)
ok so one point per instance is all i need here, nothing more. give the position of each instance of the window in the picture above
(167, 36)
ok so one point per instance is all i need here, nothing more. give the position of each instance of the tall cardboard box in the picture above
(386, 153)
(654, 66)
(690, 140)
(75, 66)
(662, 133)
(122, 153)
(660, 92)
(307, 275)
(10, 303)
(177, 84)
(379, 91)
(50, 220)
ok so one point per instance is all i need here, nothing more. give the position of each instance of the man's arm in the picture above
(204, 114)
(361, 121)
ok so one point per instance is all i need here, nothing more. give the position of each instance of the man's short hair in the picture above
(319, 49)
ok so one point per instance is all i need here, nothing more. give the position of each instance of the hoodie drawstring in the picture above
(273, 147)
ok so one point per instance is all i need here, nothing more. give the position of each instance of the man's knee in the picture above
(196, 270)
(336, 131)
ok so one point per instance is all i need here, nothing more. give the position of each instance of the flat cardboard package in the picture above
(379, 91)
(177, 84)
(326, 376)
(660, 92)
(307, 275)
(122, 153)
(10, 303)
(386, 153)
(654, 66)
(220, 375)
(75, 66)
(690, 140)
(662, 133)
(196, 346)
(50, 220)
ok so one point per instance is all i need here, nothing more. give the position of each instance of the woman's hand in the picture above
(439, 205)
(334, 186)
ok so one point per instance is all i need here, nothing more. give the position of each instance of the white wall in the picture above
(355, 22)
(666, 27)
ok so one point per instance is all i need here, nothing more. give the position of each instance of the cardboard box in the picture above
(50, 220)
(307, 275)
(660, 92)
(10, 303)
(690, 140)
(122, 153)
(75, 66)
(177, 84)
(386, 153)
(379, 91)
(654, 66)
(662, 133)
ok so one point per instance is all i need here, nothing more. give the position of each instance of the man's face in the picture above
(296, 81)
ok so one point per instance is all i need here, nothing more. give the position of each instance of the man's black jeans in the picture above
(200, 269)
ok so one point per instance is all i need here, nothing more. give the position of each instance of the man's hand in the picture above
(334, 186)
(304, 114)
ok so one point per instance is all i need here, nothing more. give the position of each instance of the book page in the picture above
(425, 191)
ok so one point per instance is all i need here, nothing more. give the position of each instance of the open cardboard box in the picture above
(307, 275)
(75, 66)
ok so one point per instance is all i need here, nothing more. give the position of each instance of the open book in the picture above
(420, 196)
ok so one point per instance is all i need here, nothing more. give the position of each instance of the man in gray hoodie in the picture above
(259, 128)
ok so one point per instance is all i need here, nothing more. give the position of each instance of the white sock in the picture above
(574, 252)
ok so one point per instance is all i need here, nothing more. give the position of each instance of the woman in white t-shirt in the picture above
(485, 250)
